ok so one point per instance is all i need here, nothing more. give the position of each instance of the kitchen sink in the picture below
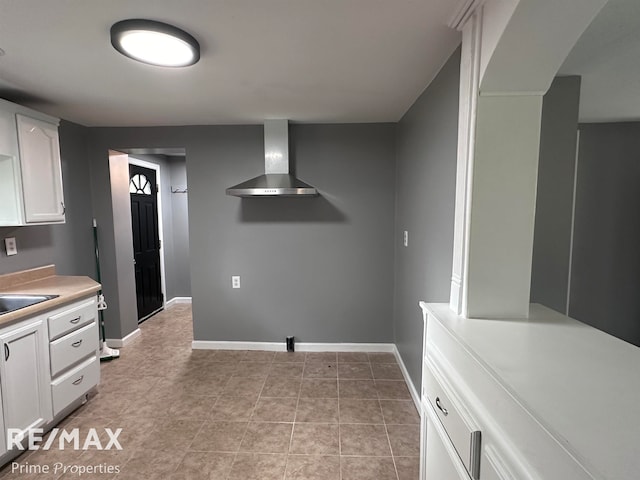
(10, 302)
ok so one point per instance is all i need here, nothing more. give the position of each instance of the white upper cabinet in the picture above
(41, 173)
(31, 190)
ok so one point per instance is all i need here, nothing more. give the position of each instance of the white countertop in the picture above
(581, 384)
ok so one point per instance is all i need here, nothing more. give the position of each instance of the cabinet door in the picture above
(26, 395)
(41, 172)
(3, 440)
(10, 183)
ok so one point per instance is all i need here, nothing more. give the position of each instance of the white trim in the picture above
(176, 300)
(573, 221)
(345, 347)
(123, 342)
(300, 347)
(156, 168)
(512, 93)
(468, 100)
(407, 379)
(212, 345)
(455, 295)
(463, 11)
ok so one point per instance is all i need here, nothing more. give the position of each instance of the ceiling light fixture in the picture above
(155, 43)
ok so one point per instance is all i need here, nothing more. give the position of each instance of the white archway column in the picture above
(511, 50)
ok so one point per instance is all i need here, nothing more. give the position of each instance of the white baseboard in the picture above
(123, 342)
(407, 379)
(211, 345)
(344, 347)
(176, 300)
(300, 347)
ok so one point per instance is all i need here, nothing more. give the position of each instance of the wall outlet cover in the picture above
(10, 246)
(235, 281)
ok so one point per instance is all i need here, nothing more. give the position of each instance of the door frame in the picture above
(156, 167)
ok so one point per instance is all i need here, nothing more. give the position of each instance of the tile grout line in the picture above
(393, 457)
(386, 430)
(295, 415)
(235, 457)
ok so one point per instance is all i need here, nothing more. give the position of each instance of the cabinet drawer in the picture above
(73, 347)
(72, 318)
(441, 463)
(75, 383)
(460, 429)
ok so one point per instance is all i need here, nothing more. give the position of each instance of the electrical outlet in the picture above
(10, 245)
(235, 281)
(406, 238)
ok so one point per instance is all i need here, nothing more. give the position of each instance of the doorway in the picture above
(143, 192)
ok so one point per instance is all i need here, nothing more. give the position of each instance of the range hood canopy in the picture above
(277, 181)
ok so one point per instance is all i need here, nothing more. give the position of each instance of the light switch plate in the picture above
(10, 246)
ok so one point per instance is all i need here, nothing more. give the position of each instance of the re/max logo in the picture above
(63, 437)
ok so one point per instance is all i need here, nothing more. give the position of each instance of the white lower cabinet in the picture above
(74, 349)
(493, 466)
(48, 363)
(24, 374)
(473, 427)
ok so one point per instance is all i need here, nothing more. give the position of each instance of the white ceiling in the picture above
(306, 60)
(607, 56)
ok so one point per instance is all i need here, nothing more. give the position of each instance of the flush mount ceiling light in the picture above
(155, 43)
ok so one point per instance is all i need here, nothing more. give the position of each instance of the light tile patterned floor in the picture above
(243, 415)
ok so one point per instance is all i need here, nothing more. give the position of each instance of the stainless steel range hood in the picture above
(277, 181)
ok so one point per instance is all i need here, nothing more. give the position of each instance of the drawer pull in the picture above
(442, 409)
(77, 344)
(78, 381)
(76, 320)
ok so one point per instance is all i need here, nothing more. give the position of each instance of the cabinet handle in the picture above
(64, 208)
(75, 320)
(77, 344)
(6, 352)
(78, 381)
(442, 409)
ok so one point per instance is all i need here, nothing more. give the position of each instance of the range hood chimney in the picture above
(277, 180)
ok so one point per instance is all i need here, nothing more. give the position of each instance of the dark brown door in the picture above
(146, 241)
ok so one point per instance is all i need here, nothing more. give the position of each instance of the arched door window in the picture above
(140, 184)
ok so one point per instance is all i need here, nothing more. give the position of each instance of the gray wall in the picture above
(320, 269)
(605, 278)
(554, 202)
(123, 246)
(179, 282)
(605, 262)
(68, 246)
(425, 186)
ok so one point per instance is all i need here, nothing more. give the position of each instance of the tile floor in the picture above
(242, 415)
